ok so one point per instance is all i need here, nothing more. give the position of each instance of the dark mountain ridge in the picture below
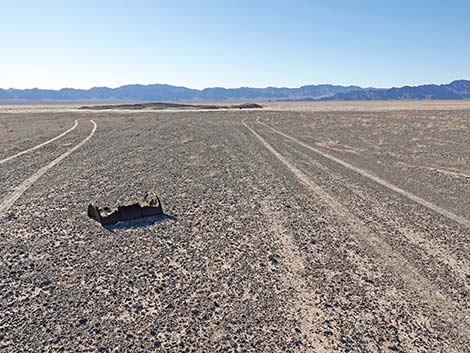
(459, 89)
(166, 93)
(159, 92)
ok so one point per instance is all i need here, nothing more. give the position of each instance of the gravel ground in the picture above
(266, 245)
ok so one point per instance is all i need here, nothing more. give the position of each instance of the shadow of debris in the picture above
(140, 223)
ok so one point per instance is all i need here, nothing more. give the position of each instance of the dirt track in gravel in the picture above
(316, 230)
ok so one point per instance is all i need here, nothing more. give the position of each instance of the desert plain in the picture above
(298, 227)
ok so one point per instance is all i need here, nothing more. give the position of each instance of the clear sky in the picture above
(203, 43)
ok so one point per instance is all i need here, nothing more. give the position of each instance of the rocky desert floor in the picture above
(294, 228)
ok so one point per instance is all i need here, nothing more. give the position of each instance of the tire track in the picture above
(304, 303)
(40, 145)
(429, 248)
(443, 212)
(7, 202)
(398, 263)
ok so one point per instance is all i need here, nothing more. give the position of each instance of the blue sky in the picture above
(54, 44)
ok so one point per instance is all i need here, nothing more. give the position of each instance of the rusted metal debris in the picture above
(149, 206)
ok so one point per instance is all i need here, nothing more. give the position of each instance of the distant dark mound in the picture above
(246, 106)
(162, 106)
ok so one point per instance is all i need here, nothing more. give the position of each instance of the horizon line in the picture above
(233, 87)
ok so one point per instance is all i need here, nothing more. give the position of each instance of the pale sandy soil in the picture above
(283, 106)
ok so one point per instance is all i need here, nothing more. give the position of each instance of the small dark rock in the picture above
(44, 283)
(83, 321)
(157, 344)
(327, 333)
(274, 259)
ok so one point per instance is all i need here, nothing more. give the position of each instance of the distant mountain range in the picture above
(455, 90)
(166, 93)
